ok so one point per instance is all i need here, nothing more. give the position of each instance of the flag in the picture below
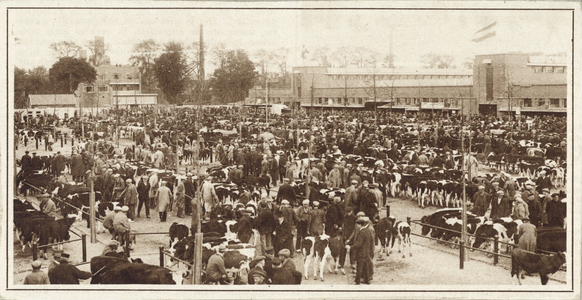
(485, 33)
(304, 52)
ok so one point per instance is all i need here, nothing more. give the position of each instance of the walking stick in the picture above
(348, 266)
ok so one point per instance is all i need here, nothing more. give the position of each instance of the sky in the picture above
(415, 32)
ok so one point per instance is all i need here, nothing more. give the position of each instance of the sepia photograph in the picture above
(321, 150)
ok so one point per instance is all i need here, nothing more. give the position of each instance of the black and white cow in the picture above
(318, 250)
(403, 233)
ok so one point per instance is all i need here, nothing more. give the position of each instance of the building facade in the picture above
(520, 84)
(115, 85)
(498, 84)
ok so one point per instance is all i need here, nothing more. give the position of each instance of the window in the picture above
(425, 100)
(89, 89)
(527, 102)
(548, 69)
(115, 76)
(541, 102)
(339, 100)
(359, 77)
(360, 101)
(554, 102)
(103, 88)
(537, 69)
(559, 69)
(129, 76)
(407, 101)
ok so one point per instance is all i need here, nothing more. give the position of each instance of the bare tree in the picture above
(321, 55)
(98, 56)
(437, 61)
(66, 49)
(144, 55)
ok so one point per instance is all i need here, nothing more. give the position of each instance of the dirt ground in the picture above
(431, 263)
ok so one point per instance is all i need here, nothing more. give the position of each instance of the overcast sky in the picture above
(416, 32)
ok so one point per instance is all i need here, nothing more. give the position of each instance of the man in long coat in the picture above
(315, 225)
(163, 196)
(481, 200)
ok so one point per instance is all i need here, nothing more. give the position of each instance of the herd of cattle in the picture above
(426, 185)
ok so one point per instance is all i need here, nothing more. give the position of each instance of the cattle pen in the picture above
(463, 248)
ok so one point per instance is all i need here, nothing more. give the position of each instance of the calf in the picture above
(385, 232)
(403, 233)
(177, 233)
(535, 263)
(317, 250)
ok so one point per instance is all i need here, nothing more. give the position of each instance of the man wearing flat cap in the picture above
(303, 217)
(543, 182)
(65, 273)
(286, 259)
(315, 224)
(130, 198)
(500, 207)
(482, 201)
(122, 226)
(257, 275)
(37, 276)
(215, 269)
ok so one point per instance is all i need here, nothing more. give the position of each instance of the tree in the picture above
(144, 55)
(170, 71)
(437, 61)
(321, 55)
(20, 88)
(66, 49)
(39, 81)
(68, 72)
(363, 57)
(264, 59)
(98, 53)
(232, 81)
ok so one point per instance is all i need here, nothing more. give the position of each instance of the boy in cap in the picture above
(37, 276)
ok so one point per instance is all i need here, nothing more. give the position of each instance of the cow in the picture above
(136, 273)
(178, 232)
(385, 233)
(403, 233)
(102, 264)
(504, 229)
(318, 250)
(535, 263)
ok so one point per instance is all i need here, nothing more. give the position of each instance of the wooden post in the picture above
(84, 243)
(92, 223)
(161, 256)
(462, 255)
(495, 250)
(34, 250)
(126, 243)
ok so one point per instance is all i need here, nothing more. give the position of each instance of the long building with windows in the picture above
(498, 84)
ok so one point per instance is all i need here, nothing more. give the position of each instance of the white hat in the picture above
(125, 208)
(306, 201)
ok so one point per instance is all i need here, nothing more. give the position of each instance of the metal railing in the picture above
(83, 239)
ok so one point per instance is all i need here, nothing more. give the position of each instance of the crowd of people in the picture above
(327, 138)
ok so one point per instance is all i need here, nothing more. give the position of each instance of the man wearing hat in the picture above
(130, 198)
(283, 233)
(265, 225)
(47, 205)
(334, 217)
(257, 275)
(543, 182)
(209, 196)
(36, 162)
(111, 248)
(180, 196)
(121, 226)
(37, 276)
(527, 234)
(482, 201)
(315, 224)
(281, 275)
(286, 192)
(335, 177)
(143, 195)
(190, 191)
(351, 196)
(367, 201)
(555, 212)
(108, 221)
(118, 188)
(303, 218)
(361, 247)
(163, 196)
(26, 163)
(65, 273)
(215, 269)
(500, 207)
(286, 259)
(536, 215)
(520, 210)
(59, 163)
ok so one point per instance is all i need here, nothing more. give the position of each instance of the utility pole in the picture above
(197, 277)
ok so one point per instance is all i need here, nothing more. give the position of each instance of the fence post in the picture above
(161, 256)
(127, 243)
(34, 251)
(84, 243)
(462, 255)
(495, 250)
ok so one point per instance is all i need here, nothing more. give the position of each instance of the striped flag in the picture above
(485, 33)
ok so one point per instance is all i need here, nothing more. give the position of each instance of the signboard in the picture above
(432, 105)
